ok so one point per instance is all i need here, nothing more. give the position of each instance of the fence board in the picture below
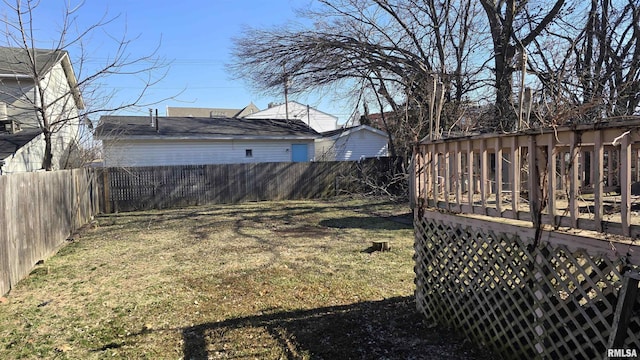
(5, 276)
(40, 211)
(144, 188)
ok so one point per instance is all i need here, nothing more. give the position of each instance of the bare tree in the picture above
(582, 60)
(513, 28)
(588, 65)
(45, 91)
(389, 50)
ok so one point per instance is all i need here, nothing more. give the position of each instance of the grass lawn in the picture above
(268, 280)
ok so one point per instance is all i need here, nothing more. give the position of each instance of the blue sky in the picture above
(196, 36)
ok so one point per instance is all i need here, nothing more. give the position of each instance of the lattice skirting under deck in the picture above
(521, 302)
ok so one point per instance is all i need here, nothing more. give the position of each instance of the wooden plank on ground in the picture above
(627, 298)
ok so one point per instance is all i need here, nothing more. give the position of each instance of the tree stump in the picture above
(381, 245)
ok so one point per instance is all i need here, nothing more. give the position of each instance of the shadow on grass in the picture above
(369, 222)
(390, 329)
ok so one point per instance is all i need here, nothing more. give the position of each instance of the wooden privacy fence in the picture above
(141, 188)
(39, 212)
(527, 242)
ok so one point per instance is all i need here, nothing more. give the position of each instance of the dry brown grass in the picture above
(271, 280)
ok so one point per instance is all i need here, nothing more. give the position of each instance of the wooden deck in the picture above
(594, 168)
(529, 243)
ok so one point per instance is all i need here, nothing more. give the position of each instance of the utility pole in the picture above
(286, 92)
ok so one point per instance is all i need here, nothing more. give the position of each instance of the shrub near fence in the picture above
(142, 188)
(39, 212)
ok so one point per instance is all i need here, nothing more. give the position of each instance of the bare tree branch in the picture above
(38, 97)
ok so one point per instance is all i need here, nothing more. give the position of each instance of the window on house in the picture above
(248, 153)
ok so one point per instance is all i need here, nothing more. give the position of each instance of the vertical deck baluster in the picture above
(447, 175)
(470, 164)
(582, 175)
(637, 152)
(573, 179)
(551, 176)
(458, 172)
(592, 166)
(484, 178)
(425, 167)
(435, 160)
(625, 184)
(498, 176)
(515, 176)
(428, 171)
(610, 167)
(598, 181)
(417, 175)
(534, 181)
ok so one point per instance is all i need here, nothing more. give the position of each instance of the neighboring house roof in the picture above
(375, 120)
(10, 143)
(317, 119)
(14, 63)
(139, 127)
(291, 104)
(211, 112)
(350, 130)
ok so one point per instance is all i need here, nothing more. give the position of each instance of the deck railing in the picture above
(581, 177)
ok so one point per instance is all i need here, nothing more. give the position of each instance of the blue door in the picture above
(299, 153)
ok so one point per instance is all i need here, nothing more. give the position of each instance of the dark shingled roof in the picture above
(113, 127)
(10, 143)
(14, 61)
(331, 133)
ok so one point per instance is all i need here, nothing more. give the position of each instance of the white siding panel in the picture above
(196, 152)
(27, 158)
(354, 146)
(325, 150)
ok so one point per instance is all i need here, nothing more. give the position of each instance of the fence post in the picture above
(5, 272)
(105, 191)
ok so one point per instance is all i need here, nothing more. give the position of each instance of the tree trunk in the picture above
(47, 162)
(505, 110)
